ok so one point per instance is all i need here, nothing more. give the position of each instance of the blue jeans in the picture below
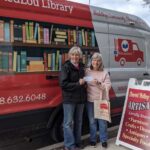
(72, 124)
(102, 124)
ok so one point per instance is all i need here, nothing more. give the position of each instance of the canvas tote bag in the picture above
(102, 109)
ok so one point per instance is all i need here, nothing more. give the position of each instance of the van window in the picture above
(135, 48)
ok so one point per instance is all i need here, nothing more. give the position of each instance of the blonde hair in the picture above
(75, 50)
(97, 56)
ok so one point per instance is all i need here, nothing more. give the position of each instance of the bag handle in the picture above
(105, 90)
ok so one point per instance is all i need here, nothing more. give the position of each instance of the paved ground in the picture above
(111, 146)
(111, 143)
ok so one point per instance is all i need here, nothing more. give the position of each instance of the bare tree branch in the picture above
(145, 3)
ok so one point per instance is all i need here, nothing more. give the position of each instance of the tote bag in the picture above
(102, 109)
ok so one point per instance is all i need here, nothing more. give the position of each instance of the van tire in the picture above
(122, 61)
(57, 129)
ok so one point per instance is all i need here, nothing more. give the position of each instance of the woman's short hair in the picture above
(75, 50)
(97, 56)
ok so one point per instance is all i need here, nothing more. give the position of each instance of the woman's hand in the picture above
(95, 81)
(81, 81)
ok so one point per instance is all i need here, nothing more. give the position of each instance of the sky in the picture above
(134, 7)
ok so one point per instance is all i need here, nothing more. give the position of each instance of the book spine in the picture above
(5, 61)
(23, 63)
(49, 62)
(45, 62)
(15, 61)
(60, 62)
(12, 31)
(1, 31)
(57, 61)
(93, 39)
(53, 61)
(18, 63)
(36, 31)
(7, 31)
(1, 66)
(10, 61)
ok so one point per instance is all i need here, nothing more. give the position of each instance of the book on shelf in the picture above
(86, 38)
(70, 37)
(93, 38)
(12, 31)
(51, 34)
(0, 61)
(5, 61)
(36, 62)
(46, 35)
(60, 32)
(36, 31)
(10, 61)
(27, 31)
(60, 36)
(18, 63)
(31, 41)
(80, 38)
(59, 40)
(7, 32)
(1, 31)
(83, 37)
(89, 39)
(53, 61)
(23, 59)
(49, 61)
(31, 31)
(40, 36)
(15, 61)
(34, 58)
(57, 60)
(23, 33)
(60, 62)
(18, 32)
(45, 61)
(35, 68)
(74, 36)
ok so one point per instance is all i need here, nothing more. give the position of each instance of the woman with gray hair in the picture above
(98, 81)
(74, 98)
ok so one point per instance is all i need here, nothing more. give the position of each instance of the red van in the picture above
(128, 51)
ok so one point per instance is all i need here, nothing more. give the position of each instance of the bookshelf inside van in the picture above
(30, 46)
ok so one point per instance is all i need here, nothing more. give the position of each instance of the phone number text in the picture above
(23, 98)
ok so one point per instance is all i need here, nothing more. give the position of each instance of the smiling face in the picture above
(96, 64)
(74, 58)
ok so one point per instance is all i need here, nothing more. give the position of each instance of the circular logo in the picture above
(125, 45)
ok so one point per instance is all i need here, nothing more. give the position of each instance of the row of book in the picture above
(18, 61)
(33, 32)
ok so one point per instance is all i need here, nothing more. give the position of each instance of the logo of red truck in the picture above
(128, 51)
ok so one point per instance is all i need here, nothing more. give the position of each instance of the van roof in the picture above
(115, 17)
(66, 12)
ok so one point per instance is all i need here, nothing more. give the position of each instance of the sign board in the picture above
(134, 130)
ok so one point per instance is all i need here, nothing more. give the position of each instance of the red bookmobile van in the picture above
(35, 36)
(128, 51)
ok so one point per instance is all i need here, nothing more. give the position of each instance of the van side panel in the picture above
(122, 46)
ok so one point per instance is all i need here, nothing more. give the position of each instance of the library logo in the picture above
(47, 4)
(56, 6)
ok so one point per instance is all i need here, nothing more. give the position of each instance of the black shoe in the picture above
(80, 146)
(93, 144)
(104, 144)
